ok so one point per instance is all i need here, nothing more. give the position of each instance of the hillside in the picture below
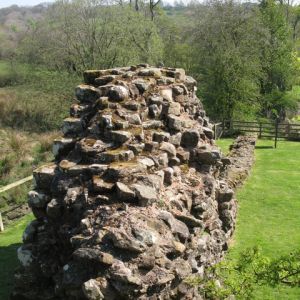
(14, 21)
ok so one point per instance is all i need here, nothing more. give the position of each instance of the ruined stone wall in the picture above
(137, 199)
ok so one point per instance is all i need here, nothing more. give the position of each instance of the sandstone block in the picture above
(146, 195)
(174, 122)
(87, 93)
(103, 80)
(99, 185)
(62, 146)
(53, 209)
(72, 126)
(118, 93)
(208, 132)
(177, 227)
(120, 136)
(44, 176)
(91, 290)
(168, 148)
(161, 137)
(124, 192)
(190, 138)
(90, 75)
(142, 85)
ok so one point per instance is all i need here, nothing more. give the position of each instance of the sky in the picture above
(6, 3)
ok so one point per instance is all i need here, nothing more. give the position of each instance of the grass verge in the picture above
(10, 240)
(224, 144)
(269, 206)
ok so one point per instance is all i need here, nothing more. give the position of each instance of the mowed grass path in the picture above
(10, 240)
(269, 209)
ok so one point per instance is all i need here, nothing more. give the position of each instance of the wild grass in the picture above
(33, 104)
(17, 143)
(269, 206)
(37, 100)
(20, 154)
(9, 75)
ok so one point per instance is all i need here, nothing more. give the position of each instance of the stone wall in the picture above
(137, 199)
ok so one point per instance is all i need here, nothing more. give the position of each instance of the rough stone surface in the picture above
(138, 198)
(91, 290)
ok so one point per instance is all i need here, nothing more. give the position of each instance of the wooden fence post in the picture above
(260, 130)
(223, 126)
(215, 131)
(276, 133)
(1, 223)
(288, 130)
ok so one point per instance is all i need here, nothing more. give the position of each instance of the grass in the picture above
(33, 103)
(269, 207)
(224, 144)
(33, 98)
(20, 154)
(10, 240)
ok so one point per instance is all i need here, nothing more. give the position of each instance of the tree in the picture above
(83, 34)
(152, 6)
(178, 49)
(277, 60)
(227, 38)
(295, 19)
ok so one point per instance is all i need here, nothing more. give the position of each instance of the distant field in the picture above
(33, 98)
(10, 240)
(33, 104)
(269, 208)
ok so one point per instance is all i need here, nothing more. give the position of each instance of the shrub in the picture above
(6, 165)
(16, 143)
(239, 277)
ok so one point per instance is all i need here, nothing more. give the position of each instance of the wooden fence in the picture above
(276, 130)
(9, 187)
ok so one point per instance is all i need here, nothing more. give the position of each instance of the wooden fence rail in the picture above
(276, 130)
(15, 184)
(9, 187)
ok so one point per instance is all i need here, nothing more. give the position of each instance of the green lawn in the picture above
(269, 208)
(10, 240)
(224, 144)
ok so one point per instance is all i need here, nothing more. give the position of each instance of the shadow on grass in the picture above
(264, 147)
(8, 264)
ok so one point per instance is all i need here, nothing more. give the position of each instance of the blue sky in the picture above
(5, 3)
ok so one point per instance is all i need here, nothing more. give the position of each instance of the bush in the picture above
(239, 277)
